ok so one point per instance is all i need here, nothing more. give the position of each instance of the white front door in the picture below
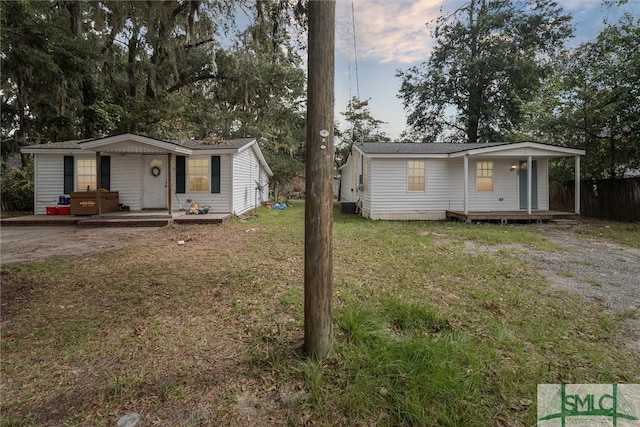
(154, 183)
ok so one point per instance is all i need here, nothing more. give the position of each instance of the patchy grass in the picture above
(428, 330)
(618, 232)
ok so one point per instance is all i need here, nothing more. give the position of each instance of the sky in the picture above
(392, 35)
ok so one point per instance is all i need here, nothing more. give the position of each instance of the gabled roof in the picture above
(131, 143)
(122, 144)
(416, 148)
(451, 149)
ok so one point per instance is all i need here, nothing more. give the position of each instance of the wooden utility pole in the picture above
(318, 263)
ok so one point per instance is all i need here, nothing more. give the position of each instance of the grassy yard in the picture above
(429, 330)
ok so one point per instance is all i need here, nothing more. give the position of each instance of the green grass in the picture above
(435, 323)
(619, 232)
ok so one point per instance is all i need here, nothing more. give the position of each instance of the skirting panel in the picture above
(410, 216)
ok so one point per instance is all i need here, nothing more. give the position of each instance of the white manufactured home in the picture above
(433, 181)
(229, 176)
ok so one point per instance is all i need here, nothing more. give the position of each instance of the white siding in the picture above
(504, 196)
(246, 171)
(543, 184)
(391, 198)
(218, 202)
(126, 179)
(348, 182)
(49, 174)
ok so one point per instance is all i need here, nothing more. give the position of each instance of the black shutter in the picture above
(215, 174)
(181, 174)
(68, 174)
(105, 172)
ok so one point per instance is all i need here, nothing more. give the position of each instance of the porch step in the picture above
(124, 222)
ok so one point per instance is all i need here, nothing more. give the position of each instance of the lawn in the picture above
(428, 330)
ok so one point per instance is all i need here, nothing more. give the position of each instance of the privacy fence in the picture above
(616, 199)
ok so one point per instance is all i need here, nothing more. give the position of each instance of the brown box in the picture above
(84, 202)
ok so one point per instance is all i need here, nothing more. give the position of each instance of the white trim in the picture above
(102, 144)
(551, 149)
(577, 186)
(466, 185)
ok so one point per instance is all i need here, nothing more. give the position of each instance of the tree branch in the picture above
(192, 79)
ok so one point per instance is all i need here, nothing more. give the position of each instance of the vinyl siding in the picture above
(246, 171)
(126, 179)
(505, 194)
(49, 171)
(218, 202)
(505, 187)
(348, 182)
(390, 194)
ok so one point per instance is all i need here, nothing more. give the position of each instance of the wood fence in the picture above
(616, 199)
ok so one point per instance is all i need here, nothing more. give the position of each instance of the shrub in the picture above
(17, 190)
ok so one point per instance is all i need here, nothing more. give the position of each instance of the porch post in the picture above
(98, 182)
(169, 184)
(466, 184)
(577, 184)
(529, 179)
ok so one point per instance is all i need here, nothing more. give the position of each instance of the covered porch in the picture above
(531, 185)
(157, 184)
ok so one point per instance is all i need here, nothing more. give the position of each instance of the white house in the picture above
(229, 176)
(409, 181)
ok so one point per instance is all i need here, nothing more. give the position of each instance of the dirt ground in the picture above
(18, 244)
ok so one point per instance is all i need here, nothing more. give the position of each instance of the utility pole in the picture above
(318, 262)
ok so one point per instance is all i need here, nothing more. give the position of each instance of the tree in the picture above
(488, 60)
(363, 127)
(592, 101)
(49, 90)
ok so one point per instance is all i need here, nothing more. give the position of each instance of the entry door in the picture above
(154, 191)
(523, 184)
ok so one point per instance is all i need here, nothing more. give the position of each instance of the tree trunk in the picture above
(318, 263)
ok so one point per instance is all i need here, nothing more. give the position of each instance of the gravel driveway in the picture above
(605, 272)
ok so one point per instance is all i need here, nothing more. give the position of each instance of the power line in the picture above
(355, 49)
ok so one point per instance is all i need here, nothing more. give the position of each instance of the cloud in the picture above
(386, 30)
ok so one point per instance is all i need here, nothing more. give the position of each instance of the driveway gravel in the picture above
(600, 271)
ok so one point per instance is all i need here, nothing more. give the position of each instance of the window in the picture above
(198, 174)
(416, 175)
(484, 176)
(86, 175)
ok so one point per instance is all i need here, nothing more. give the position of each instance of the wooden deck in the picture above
(510, 216)
(117, 219)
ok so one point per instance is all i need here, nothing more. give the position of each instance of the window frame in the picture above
(484, 176)
(413, 179)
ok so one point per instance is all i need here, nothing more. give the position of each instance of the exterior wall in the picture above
(391, 198)
(218, 202)
(505, 187)
(49, 174)
(246, 171)
(348, 182)
(126, 179)
(505, 194)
